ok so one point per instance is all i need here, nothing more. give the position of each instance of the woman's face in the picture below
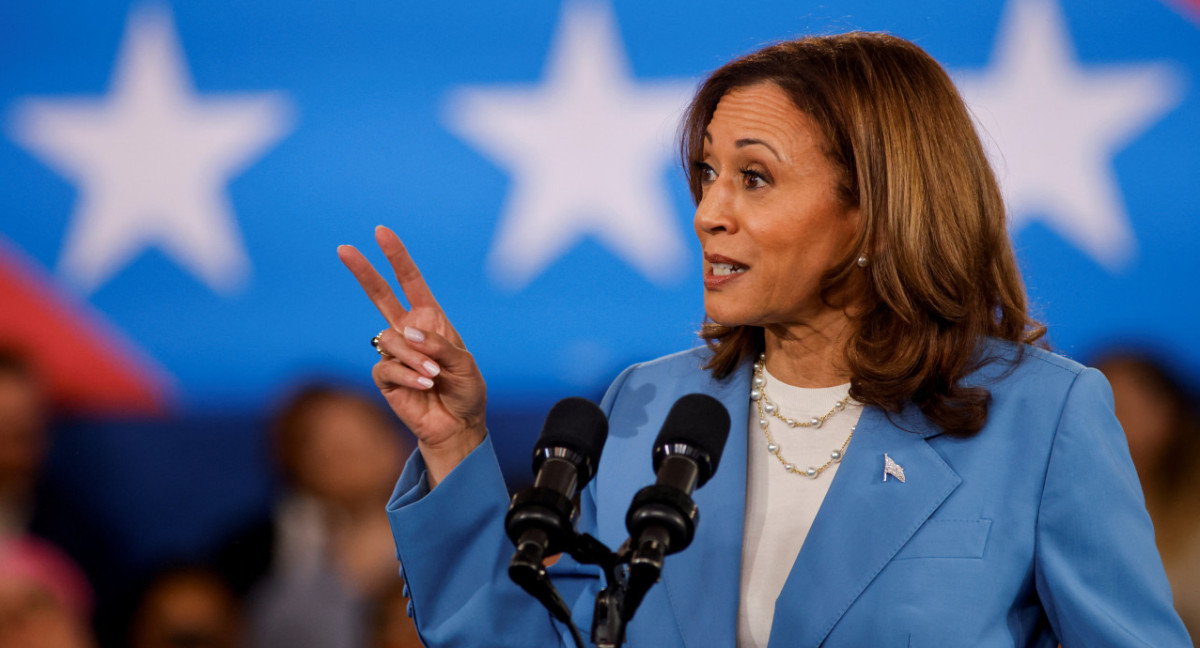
(769, 220)
(348, 455)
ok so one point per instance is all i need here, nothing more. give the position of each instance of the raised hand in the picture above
(427, 375)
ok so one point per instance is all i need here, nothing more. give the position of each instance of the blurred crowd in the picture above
(320, 570)
(1161, 417)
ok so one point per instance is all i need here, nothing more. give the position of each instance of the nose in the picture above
(715, 213)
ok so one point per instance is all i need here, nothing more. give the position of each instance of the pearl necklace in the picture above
(758, 394)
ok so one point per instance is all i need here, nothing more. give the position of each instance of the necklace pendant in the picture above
(811, 473)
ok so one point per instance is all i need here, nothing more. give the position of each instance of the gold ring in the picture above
(375, 344)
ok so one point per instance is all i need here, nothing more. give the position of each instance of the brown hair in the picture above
(290, 427)
(942, 275)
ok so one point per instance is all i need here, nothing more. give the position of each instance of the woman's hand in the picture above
(428, 377)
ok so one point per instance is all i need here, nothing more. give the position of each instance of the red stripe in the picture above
(89, 368)
(1190, 8)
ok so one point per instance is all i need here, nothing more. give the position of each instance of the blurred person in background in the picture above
(327, 550)
(45, 600)
(23, 442)
(1161, 419)
(390, 626)
(187, 607)
(33, 507)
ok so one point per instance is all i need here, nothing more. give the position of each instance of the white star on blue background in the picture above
(587, 149)
(1053, 126)
(525, 153)
(151, 161)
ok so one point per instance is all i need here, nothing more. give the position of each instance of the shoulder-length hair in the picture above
(941, 274)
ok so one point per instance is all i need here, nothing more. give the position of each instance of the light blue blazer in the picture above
(1031, 533)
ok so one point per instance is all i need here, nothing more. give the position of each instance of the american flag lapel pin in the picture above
(892, 468)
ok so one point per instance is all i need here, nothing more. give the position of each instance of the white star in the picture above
(151, 161)
(1054, 126)
(587, 149)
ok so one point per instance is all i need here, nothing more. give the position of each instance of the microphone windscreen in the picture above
(700, 421)
(577, 424)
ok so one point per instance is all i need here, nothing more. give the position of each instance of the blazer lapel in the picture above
(861, 524)
(702, 582)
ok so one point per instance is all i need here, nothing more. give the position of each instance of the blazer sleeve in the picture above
(1097, 570)
(454, 557)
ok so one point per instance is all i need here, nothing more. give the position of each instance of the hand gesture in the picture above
(425, 372)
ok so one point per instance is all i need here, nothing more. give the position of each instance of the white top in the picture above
(781, 506)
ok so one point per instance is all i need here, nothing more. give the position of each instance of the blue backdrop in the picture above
(175, 177)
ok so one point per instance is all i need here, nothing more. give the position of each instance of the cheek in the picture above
(795, 259)
(791, 260)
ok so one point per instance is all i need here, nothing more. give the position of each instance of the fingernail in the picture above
(413, 334)
(424, 382)
(431, 368)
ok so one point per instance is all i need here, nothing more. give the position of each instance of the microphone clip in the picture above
(540, 511)
(666, 508)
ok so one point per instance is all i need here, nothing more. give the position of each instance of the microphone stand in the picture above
(663, 518)
(627, 574)
(661, 521)
(611, 612)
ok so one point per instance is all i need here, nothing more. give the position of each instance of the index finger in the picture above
(411, 282)
(376, 287)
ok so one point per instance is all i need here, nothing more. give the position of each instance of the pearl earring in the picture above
(862, 261)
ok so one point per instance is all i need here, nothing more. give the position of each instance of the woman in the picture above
(859, 282)
(310, 568)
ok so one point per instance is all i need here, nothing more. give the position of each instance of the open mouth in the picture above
(723, 269)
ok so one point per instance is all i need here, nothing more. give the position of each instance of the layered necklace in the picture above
(767, 408)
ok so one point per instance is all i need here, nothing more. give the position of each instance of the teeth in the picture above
(722, 269)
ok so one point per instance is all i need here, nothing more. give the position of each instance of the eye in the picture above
(753, 179)
(704, 172)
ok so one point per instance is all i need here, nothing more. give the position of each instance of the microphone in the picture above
(540, 518)
(662, 518)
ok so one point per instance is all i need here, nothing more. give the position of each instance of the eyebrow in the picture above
(748, 141)
(742, 143)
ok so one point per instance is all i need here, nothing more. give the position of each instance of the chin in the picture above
(726, 316)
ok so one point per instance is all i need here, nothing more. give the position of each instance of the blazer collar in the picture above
(702, 582)
(862, 523)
